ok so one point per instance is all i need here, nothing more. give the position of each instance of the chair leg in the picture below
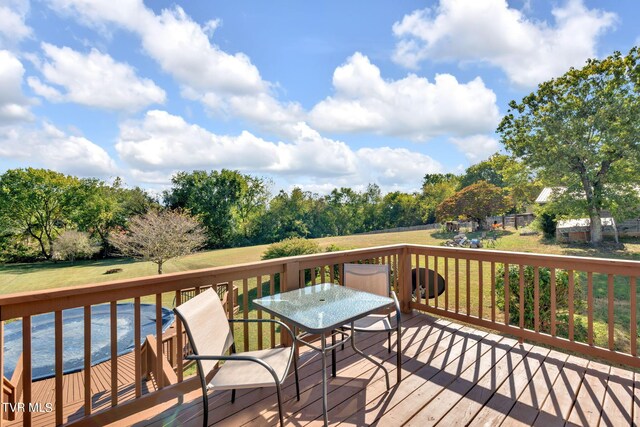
(295, 371)
(399, 354)
(279, 404)
(205, 407)
(389, 339)
(233, 395)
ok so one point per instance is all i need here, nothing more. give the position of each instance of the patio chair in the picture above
(210, 335)
(374, 278)
(437, 284)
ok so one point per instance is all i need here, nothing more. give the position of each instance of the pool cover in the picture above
(43, 333)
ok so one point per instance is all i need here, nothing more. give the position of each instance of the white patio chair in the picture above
(210, 335)
(374, 278)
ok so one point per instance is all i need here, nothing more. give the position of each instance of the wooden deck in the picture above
(73, 385)
(452, 375)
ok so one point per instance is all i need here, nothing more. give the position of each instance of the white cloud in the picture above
(162, 143)
(12, 16)
(411, 107)
(184, 50)
(395, 167)
(489, 31)
(14, 106)
(94, 79)
(50, 147)
(476, 147)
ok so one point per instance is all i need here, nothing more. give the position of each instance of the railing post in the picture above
(288, 282)
(405, 280)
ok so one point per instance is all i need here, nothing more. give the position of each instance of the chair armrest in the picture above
(293, 338)
(237, 358)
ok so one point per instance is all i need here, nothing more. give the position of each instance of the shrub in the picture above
(71, 245)
(562, 295)
(547, 223)
(291, 247)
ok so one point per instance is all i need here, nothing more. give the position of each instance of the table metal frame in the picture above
(324, 348)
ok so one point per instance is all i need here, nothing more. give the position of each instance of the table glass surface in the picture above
(322, 307)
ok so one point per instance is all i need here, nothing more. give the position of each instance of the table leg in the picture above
(323, 345)
(333, 354)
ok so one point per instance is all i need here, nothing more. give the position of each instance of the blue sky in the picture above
(313, 94)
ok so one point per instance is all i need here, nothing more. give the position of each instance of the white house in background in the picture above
(577, 230)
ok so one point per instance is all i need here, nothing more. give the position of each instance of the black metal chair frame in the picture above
(239, 357)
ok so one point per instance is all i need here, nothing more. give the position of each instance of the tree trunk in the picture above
(159, 267)
(595, 227)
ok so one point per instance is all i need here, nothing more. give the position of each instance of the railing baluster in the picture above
(417, 277)
(272, 291)
(435, 280)
(610, 319)
(521, 299)
(59, 366)
(332, 274)
(457, 268)
(480, 290)
(137, 355)
(536, 298)
(259, 325)
(2, 411)
(468, 279)
(302, 280)
(506, 294)
(87, 360)
(634, 325)
(323, 274)
(27, 374)
(446, 283)
(590, 308)
(553, 301)
(159, 374)
(245, 312)
(427, 280)
(114, 353)
(493, 291)
(313, 276)
(571, 305)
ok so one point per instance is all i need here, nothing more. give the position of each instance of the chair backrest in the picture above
(207, 326)
(372, 278)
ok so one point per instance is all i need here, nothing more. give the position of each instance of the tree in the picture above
(212, 197)
(435, 189)
(399, 209)
(474, 203)
(252, 203)
(38, 203)
(582, 131)
(159, 236)
(71, 245)
(103, 208)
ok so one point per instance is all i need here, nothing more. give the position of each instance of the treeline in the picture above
(37, 206)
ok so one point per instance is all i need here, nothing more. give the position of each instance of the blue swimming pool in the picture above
(42, 337)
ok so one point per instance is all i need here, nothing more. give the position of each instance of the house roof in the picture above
(547, 193)
(584, 223)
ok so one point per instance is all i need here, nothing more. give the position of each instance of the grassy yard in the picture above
(29, 277)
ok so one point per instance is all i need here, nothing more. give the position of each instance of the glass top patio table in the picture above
(322, 307)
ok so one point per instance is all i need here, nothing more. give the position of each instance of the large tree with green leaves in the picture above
(581, 131)
(474, 203)
(38, 203)
(213, 197)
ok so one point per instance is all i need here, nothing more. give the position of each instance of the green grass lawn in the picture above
(39, 276)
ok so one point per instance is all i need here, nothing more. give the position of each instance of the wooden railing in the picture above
(551, 315)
